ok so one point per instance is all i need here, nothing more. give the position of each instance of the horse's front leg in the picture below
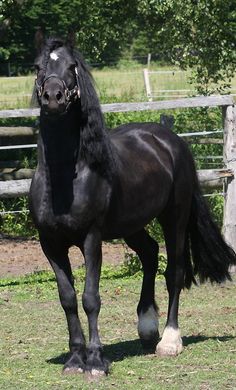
(92, 249)
(57, 255)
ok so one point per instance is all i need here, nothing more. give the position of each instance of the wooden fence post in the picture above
(147, 84)
(229, 123)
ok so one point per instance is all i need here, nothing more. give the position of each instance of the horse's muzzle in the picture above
(54, 99)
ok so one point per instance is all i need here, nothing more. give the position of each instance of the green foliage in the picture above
(201, 119)
(155, 231)
(116, 119)
(195, 34)
(132, 264)
(37, 278)
(216, 204)
(102, 26)
(16, 224)
(198, 119)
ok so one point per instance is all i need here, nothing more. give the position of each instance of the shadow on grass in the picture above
(114, 352)
(187, 340)
(124, 349)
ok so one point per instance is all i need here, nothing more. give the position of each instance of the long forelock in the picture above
(51, 45)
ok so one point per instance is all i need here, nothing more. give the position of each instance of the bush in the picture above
(16, 224)
(216, 205)
(133, 265)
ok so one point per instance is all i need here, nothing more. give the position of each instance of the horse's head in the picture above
(57, 81)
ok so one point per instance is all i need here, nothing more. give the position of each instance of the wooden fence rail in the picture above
(210, 178)
(19, 135)
(201, 101)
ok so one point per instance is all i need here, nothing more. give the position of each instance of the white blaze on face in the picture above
(54, 56)
(148, 323)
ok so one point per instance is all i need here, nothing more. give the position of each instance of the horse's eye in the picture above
(36, 67)
(72, 67)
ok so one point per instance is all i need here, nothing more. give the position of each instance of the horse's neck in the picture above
(63, 144)
(58, 149)
(58, 143)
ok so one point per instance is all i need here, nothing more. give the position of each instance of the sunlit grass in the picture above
(34, 339)
(15, 92)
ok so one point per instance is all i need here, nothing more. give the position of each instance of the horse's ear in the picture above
(71, 38)
(39, 39)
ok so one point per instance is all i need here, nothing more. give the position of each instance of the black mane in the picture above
(95, 145)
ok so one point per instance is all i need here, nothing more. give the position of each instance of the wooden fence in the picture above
(177, 78)
(208, 178)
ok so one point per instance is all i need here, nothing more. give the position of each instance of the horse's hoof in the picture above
(148, 328)
(96, 364)
(97, 373)
(171, 343)
(75, 364)
(169, 349)
(72, 370)
(150, 345)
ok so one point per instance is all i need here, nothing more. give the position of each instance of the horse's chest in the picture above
(60, 215)
(71, 208)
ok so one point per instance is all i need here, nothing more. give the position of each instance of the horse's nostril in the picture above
(46, 95)
(59, 95)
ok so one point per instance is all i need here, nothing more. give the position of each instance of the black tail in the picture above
(211, 256)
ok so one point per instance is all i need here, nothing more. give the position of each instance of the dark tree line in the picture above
(104, 28)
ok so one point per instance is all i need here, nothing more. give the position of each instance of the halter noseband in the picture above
(70, 94)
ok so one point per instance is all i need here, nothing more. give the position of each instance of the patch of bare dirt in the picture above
(21, 257)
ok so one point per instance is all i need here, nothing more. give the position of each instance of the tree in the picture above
(101, 25)
(199, 34)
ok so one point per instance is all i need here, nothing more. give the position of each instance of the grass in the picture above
(34, 337)
(15, 92)
(112, 84)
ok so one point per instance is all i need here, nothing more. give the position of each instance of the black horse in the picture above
(91, 186)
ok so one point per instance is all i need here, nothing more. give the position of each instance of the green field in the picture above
(112, 85)
(15, 92)
(33, 337)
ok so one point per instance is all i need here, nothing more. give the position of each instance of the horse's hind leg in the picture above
(174, 225)
(147, 250)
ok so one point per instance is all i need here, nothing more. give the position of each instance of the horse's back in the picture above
(147, 157)
(150, 142)
(144, 135)
(146, 127)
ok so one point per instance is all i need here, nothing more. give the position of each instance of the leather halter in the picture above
(71, 95)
